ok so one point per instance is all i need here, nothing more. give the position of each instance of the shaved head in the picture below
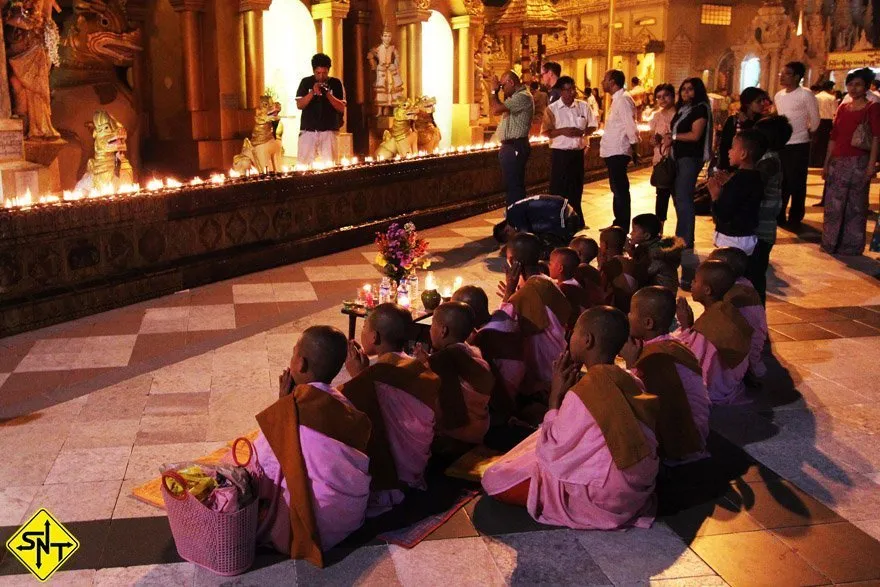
(458, 317)
(392, 323)
(656, 302)
(608, 326)
(587, 248)
(736, 258)
(614, 238)
(718, 276)
(324, 349)
(568, 260)
(477, 299)
(525, 247)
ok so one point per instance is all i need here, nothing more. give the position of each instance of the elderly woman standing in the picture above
(849, 166)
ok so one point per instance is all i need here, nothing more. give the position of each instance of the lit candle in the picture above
(368, 295)
(447, 292)
(456, 284)
(403, 300)
(429, 281)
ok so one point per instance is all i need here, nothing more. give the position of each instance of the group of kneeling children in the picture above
(552, 355)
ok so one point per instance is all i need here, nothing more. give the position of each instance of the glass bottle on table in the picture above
(385, 290)
(414, 289)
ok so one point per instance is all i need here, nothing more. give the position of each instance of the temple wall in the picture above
(169, 117)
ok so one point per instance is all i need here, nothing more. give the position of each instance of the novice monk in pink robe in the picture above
(399, 394)
(746, 299)
(466, 381)
(617, 269)
(670, 371)
(593, 463)
(563, 266)
(501, 345)
(721, 339)
(312, 448)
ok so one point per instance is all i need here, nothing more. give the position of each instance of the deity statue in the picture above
(401, 139)
(263, 149)
(31, 39)
(384, 59)
(108, 169)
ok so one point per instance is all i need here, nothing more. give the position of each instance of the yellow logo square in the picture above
(42, 545)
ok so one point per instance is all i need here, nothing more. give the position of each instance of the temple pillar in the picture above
(191, 30)
(329, 16)
(360, 96)
(251, 12)
(465, 112)
(409, 21)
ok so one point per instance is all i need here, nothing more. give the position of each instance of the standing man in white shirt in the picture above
(827, 108)
(619, 144)
(799, 104)
(568, 123)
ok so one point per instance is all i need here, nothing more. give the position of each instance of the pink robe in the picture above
(512, 371)
(756, 316)
(338, 478)
(573, 479)
(725, 385)
(409, 425)
(541, 349)
(698, 400)
(477, 406)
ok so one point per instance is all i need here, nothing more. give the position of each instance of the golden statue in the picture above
(424, 125)
(109, 169)
(263, 150)
(385, 61)
(31, 39)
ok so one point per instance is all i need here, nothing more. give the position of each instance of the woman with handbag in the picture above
(850, 164)
(660, 125)
(691, 142)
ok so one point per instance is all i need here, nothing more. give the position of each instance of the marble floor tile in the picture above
(177, 404)
(102, 434)
(372, 565)
(705, 581)
(168, 575)
(125, 400)
(158, 320)
(214, 317)
(126, 506)
(47, 362)
(79, 578)
(252, 293)
(642, 554)
(14, 502)
(88, 464)
(432, 562)
(76, 502)
(522, 559)
(185, 380)
(364, 272)
(171, 430)
(3, 378)
(871, 527)
(294, 292)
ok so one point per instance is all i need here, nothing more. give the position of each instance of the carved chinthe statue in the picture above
(401, 139)
(108, 169)
(384, 59)
(31, 39)
(98, 44)
(263, 149)
(424, 125)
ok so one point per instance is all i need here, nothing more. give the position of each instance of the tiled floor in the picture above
(92, 408)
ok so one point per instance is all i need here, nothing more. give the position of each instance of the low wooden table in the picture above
(422, 319)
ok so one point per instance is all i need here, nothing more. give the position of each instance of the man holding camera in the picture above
(322, 101)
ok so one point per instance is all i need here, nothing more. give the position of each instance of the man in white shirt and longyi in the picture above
(568, 123)
(619, 144)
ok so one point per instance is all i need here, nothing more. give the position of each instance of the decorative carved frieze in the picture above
(188, 5)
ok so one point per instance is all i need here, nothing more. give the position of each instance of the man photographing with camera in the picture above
(322, 101)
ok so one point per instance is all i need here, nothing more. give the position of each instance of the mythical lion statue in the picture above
(109, 169)
(412, 129)
(263, 150)
(98, 45)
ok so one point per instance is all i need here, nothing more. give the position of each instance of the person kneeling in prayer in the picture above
(312, 447)
(593, 463)
(564, 262)
(399, 394)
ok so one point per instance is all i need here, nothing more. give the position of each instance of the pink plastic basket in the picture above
(222, 543)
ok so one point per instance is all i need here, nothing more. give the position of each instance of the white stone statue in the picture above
(384, 59)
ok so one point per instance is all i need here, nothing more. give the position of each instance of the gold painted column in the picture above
(252, 35)
(465, 112)
(191, 30)
(409, 21)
